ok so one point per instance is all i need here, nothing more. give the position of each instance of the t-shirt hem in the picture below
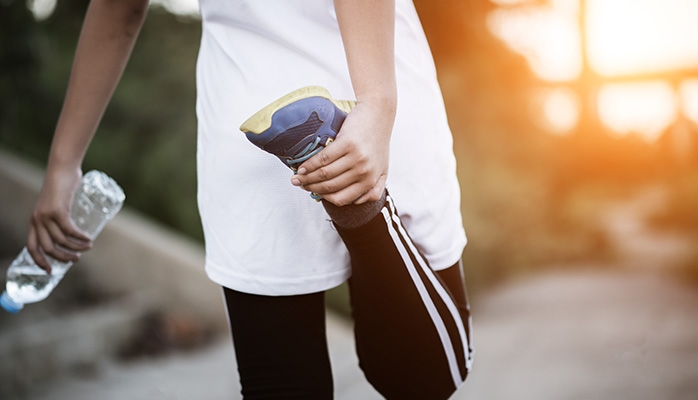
(448, 258)
(274, 286)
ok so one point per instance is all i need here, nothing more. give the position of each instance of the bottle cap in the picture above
(10, 305)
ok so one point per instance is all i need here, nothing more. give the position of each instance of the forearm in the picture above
(354, 169)
(108, 34)
(368, 34)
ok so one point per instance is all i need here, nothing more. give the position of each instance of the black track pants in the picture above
(412, 325)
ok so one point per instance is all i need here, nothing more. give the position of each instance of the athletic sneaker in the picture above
(298, 125)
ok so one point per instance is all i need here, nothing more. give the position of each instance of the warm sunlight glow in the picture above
(560, 109)
(647, 108)
(689, 99)
(546, 35)
(634, 36)
(509, 2)
(623, 37)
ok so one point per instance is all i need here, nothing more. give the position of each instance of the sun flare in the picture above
(624, 37)
(636, 36)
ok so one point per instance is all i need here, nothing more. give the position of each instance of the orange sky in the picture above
(624, 36)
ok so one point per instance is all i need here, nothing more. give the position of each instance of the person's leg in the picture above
(453, 280)
(412, 329)
(280, 345)
(411, 336)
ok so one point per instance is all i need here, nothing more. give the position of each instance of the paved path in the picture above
(587, 335)
(577, 335)
(206, 374)
(636, 244)
(630, 332)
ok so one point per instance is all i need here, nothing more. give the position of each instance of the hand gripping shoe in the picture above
(298, 125)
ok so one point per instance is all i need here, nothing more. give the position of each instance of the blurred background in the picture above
(575, 133)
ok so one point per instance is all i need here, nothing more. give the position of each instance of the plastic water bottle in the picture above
(96, 201)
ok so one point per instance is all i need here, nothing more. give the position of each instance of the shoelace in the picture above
(307, 152)
(310, 150)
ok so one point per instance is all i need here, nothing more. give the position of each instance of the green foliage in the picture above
(147, 138)
(19, 80)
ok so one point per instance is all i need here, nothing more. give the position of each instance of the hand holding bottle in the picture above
(97, 199)
(51, 231)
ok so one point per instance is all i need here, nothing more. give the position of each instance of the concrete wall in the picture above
(133, 255)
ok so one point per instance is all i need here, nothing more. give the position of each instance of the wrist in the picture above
(58, 165)
(386, 102)
(67, 152)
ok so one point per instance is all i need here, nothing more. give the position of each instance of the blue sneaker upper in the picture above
(300, 130)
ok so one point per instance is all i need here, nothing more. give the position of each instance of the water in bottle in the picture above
(96, 201)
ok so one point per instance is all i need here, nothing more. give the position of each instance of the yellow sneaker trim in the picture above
(261, 120)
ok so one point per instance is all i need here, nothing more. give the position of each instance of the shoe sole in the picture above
(262, 119)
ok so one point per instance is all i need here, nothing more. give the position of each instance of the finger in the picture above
(48, 246)
(347, 188)
(34, 251)
(72, 232)
(325, 173)
(68, 243)
(326, 156)
(334, 185)
(345, 196)
(375, 193)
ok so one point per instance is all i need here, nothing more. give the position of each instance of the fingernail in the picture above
(302, 171)
(295, 182)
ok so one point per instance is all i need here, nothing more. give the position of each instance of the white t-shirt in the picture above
(263, 235)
